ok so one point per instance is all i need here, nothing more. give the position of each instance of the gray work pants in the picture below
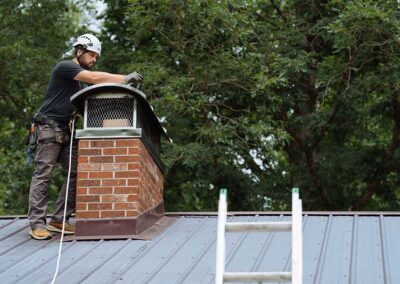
(46, 157)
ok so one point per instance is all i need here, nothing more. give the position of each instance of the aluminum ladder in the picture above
(296, 276)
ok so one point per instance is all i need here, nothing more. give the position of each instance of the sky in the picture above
(90, 16)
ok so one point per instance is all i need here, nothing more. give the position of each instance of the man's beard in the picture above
(90, 66)
(87, 66)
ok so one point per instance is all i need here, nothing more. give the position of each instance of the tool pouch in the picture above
(31, 142)
(48, 135)
(31, 139)
(60, 135)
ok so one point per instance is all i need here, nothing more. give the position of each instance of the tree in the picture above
(260, 96)
(29, 49)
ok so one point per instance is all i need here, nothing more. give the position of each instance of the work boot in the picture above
(57, 227)
(40, 234)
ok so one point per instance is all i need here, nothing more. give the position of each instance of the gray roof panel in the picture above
(391, 235)
(331, 262)
(337, 249)
(368, 264)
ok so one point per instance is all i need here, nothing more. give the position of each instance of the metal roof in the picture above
(337, 249)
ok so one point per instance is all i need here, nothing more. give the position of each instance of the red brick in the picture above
(101, 143)
(134, 166)
(126, 190)
(127, 142)
(114, 182)
(102, 159)
(100, 175)
(81, 190)
(88, 182)
(133, 182)
(133, 197)
(133, 151)
(83, 175)
(142, 205)
(142, 185)
(89, 167)
(84, 144)
(127, 174)
(100, 206)
(127, 181)
(115, 151)
(114, 198)
(80, 206)
(132, 213)
(126, 206)
(112, 214)
(87, 198)
(89, 152)
(87, 214)
(101, 190)
(83, 160)
(127, 159)
(115, 167)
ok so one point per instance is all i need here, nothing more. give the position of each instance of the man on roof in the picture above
(52, 133)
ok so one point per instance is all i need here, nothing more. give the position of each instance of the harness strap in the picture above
(43, 119)
(47, 140)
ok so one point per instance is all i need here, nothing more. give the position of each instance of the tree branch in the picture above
(16, 102)
(346, 78)
(312, 168)
(374, 185)
(278, 10)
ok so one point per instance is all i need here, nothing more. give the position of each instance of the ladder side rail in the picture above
(300, 247)
(220, 257)
(297, 240)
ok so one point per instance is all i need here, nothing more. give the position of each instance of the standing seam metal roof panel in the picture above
(337, 249)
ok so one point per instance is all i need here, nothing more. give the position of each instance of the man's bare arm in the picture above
(97, 77)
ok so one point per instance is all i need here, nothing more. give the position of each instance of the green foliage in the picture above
(199, 72)
(29, 49)
(260, 96)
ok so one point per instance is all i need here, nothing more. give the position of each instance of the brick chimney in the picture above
(119, 188)
(120, 179)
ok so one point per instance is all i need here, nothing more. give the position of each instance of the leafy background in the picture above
(258, 96)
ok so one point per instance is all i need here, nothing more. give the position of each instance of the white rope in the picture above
(65, 203)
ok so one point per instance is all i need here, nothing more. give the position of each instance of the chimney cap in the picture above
(78, 99)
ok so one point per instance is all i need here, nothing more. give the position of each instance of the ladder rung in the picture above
(258, 226)
(257, 276)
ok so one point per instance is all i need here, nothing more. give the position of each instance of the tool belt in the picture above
(61, 133)
(60, 130)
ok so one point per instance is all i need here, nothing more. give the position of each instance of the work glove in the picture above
(133, 78)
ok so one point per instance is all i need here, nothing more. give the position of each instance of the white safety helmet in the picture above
(89, 42)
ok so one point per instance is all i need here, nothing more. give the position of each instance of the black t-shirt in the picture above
(61, 88)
